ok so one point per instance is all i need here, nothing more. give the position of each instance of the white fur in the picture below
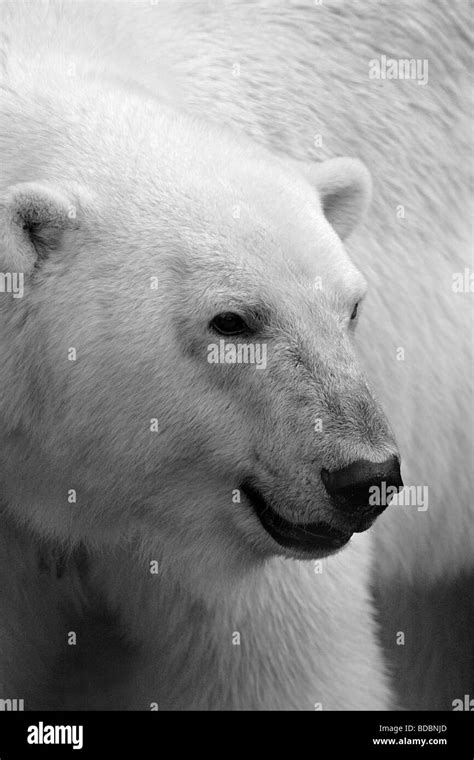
(312, 636)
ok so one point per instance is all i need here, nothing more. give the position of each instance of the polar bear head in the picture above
(179, 367)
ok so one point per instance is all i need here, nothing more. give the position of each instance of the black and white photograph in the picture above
(236, 365)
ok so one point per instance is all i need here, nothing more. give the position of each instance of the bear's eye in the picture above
(354, 311)
(229, 323)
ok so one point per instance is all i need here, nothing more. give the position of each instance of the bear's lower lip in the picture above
(307, 537)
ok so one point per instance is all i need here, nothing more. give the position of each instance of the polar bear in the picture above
(155, 206)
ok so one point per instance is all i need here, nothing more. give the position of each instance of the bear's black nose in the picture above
(364, 487)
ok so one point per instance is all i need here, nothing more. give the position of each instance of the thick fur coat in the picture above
(180, 141)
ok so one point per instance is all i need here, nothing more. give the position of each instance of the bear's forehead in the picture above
(220, 207)
(259, 269)
(262, 239)
(204, 174)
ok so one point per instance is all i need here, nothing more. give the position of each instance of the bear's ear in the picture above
(345, 188)
(33, 218)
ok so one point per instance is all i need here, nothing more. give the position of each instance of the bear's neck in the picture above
(129, 638)
(107, 633)
(194, 652)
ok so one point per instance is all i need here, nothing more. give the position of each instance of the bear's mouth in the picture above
(306, 537)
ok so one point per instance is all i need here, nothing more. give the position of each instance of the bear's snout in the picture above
(363, 489)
